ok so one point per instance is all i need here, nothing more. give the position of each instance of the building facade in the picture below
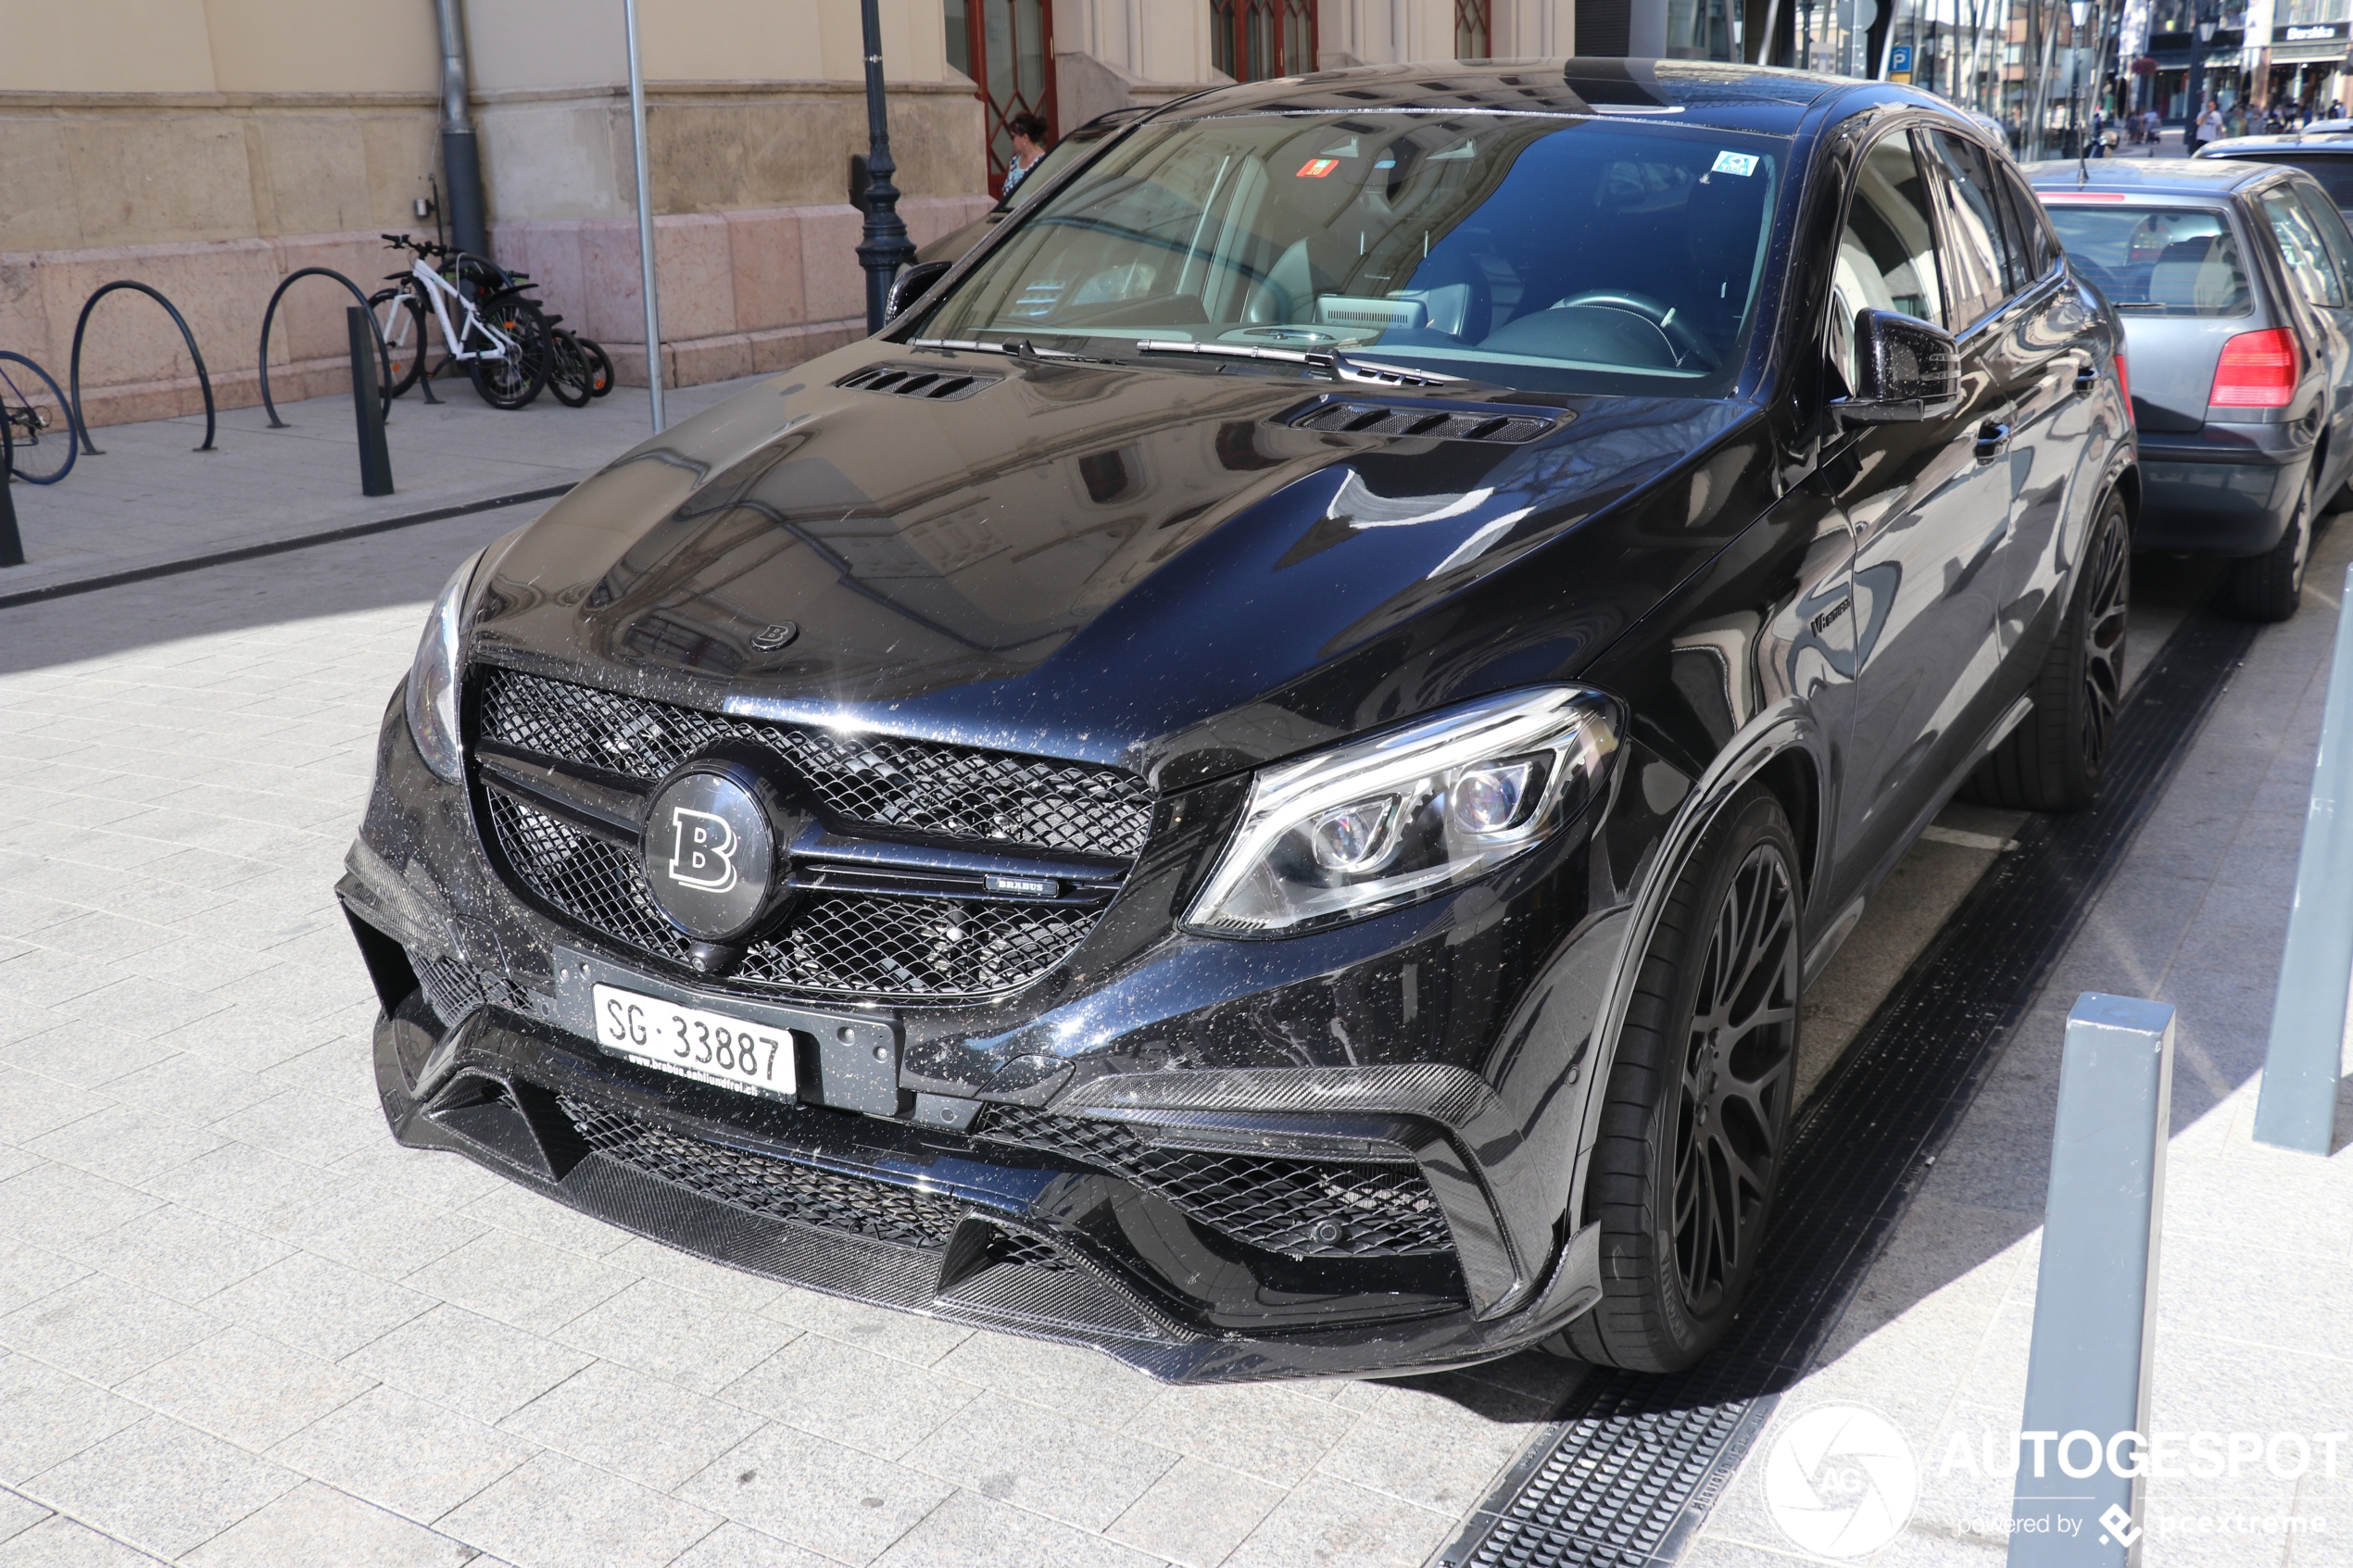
(210, 147)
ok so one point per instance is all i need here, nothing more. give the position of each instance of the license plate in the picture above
(694, 1043)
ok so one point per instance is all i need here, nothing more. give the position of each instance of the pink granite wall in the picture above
(741, 293)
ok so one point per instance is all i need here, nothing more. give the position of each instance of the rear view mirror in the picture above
(1909, 370)
(910, 285)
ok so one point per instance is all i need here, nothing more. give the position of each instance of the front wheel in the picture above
(40, 428)
(517, 339)
(570, 376)
(402, 319)
(1696, 1123)
(2054, 759)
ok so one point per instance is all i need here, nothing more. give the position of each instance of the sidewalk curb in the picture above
(274, 547)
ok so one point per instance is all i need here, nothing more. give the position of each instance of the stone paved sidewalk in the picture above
(151, 499)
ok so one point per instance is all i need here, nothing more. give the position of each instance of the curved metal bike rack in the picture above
(383, 352)
(204, 379)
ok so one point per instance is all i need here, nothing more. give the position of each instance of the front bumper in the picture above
(1140, 1159)
(2226, 490)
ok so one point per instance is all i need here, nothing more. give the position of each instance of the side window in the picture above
(2036, 246)
(1985, 271)
(2329, 225)
(2308, 259)
(1887, 252)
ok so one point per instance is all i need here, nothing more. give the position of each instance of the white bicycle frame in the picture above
(440, 291)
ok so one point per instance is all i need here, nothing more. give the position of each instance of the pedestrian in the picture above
(2209, 124)
(1029, 146)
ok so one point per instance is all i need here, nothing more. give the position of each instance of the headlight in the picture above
(1376, 823)
(433, 679)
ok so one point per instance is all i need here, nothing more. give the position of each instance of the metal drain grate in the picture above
(1634, 1462)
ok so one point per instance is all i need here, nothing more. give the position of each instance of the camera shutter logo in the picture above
(702, 850)
(1840, 1481)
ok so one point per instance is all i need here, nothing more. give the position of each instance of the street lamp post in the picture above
(883, 248)
(2204, 35)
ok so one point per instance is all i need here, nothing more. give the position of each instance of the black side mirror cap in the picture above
(910, 285)
(1910, 371)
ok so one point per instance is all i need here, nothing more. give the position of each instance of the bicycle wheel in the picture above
(511, 375)
(403, 320)
(569, 376)
(600, 377)
(40, 428)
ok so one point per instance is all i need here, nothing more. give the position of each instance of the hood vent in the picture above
(1448, 424)
(917, 381)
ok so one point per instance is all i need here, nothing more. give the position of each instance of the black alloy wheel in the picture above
(1696, 1120)
(2054, 759)
(2270, 586)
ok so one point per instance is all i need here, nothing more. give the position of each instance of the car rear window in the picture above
(2335, 174)
(2157, 260)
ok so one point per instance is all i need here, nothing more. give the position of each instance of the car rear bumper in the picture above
(2228, 490)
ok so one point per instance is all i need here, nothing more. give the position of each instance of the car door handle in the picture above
(1992, 437)
(2087, 378)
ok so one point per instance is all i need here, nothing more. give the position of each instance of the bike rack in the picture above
(88, 448)
(383, 352)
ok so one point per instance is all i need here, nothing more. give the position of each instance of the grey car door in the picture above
(2329, 288)
(1930, 507)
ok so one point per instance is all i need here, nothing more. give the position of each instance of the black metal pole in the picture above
(2196, 84)
(366, 408)
(12, 541)
(883, 248)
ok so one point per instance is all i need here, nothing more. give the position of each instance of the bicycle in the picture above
(33, 457)
(498, 336)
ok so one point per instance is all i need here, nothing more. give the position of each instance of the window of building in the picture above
(1473, 30)
(1257, 40)
(1007, 47)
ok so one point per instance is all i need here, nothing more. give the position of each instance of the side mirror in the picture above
(1911, 370)
(911, 282)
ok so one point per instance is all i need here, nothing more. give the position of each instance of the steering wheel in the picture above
(1688, 346)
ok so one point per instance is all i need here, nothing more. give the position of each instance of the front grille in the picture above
(836, 944)
(959, 792)
(764, 1184)
(1305, 1208)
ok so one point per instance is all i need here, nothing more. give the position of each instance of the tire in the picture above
(514, 381)
(2053, 761)
(569, 374)
(1697, 1119)
(41, 445)
(600, 367)
(2269, 586)
(403, 320)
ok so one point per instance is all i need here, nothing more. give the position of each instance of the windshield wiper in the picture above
(1332, 361)
(1017, 348)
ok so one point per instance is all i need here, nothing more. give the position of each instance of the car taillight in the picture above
(2258, 371)
(2124, 387)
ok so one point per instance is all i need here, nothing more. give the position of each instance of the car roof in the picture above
(1695, 92)
(2153, 177)
(2336, 139)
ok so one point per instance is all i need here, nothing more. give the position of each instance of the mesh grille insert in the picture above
(836, 944)
(778, 1189)
(961, 792)
(1306, 1209)
(455, 989)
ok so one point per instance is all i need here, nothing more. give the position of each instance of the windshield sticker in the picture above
(1317, 167)
(1742, 164)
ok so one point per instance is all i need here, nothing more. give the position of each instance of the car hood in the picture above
(1145, 567)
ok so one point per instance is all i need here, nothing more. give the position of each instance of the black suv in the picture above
(1256, 781)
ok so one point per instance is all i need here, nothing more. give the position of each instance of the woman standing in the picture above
(1029, 146)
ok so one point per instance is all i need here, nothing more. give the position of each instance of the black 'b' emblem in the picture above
(709, 851)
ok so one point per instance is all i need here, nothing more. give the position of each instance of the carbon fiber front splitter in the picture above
(501, 1091)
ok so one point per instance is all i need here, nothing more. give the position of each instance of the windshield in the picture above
(2155, 261)
(1545, 252)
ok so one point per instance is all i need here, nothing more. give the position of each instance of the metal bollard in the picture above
(2087, 1376)
(12, 541)
(367, 405)
(2296, 1108)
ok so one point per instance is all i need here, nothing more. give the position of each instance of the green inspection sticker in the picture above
(1742, 164)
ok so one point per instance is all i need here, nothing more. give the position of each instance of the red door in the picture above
(1255, 40)
(1007, 47)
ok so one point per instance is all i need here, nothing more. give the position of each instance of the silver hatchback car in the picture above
(2234, 282)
